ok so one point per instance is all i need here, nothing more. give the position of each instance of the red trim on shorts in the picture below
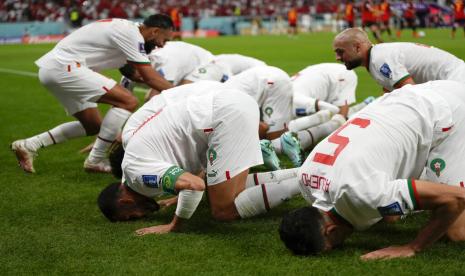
(415, 193)
(227, 175)
(69, 68)
(106, 89)
(51, 136)
(105, 140)
(146, 121)
(447, 129)
(461, 184)
(265, 198)
(105, 20)
(255, 179)
(207, 130)
(270, 82)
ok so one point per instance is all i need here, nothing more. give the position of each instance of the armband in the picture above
(168, 181)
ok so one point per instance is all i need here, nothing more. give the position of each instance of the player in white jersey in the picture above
(237, 63)
(70, 73)
(326, 87)
(188, 131)
(367, 170)
(393, 65)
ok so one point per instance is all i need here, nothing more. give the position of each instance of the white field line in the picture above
(33, 74)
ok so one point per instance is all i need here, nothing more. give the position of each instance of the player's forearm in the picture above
(441, 219)
(158, 83)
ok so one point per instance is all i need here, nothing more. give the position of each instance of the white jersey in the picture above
(391, 63)
(196, 133)
(237, 63)
(363, 170)
(329, 82)
(178, 59)
(104, 44)
(271, 88)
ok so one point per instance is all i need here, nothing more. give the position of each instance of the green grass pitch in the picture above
(50, 223)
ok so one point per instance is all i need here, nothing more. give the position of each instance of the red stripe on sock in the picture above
(265, 198)
(227, 175)
(207, 130)
(461, 184)
(51, 136)
(446, 129)
(69, 68)
(105, 140)
(311, 135)
(255, 179)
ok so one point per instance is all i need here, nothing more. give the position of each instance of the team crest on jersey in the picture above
(142, 48)
(268, 111)
(393, 209)
(437, 165)
(386, 71)
(211, 155)
(150, 181)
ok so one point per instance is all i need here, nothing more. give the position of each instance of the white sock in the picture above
(255, 179)
(56, 135)
(356, 108)
(305, 138)
(309, 121)
(111, 126)
(260, 199)
(276, 143)
(323, 130)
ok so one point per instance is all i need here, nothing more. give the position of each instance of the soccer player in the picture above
(386, 13)
(187, 131)
(349, 13)
(369, 18)
(409, 19)
(394, 65)
(325, 86)
(459, 16)
(237, 63)
(368, 169)
(70, 73)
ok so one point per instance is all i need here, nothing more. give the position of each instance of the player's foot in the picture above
(24, 155)
(100, 166)
(291, 147)
(270, 159)
(369, 100)
(87, 148)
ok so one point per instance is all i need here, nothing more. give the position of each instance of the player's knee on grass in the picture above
(225, 213)
(301, 231)
(91, 128)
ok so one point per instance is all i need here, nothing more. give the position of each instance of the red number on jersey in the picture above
(341, 141)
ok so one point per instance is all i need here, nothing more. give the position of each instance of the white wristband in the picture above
(188, 200)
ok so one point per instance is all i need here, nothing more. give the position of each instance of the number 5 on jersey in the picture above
(341, 142)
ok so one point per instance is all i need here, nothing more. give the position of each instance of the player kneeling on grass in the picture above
(366, 170)
(70, 73)
(178, 135)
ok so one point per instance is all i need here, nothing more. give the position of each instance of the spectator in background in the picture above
(459, 16)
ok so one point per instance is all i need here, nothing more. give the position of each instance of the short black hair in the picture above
(301, 231)
(128, 71)
(159, 20)
(108, 201)
(116, 159)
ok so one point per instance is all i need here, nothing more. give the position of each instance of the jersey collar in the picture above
(368, 58)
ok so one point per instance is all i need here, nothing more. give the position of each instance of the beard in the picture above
(354, 63)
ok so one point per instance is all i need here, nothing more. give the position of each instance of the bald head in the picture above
(351, 47)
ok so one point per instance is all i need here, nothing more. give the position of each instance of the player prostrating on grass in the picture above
(70, 73)
(393, 65)
(186, 132)
(368, 169)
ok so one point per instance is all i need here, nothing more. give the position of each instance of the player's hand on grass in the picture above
(157, 229)
(404, 251)
(168, 202)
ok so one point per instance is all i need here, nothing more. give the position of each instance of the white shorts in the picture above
(209, 71)
(75, 86)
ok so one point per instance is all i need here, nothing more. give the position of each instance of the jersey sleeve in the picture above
(390, 70)
(130, 42)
